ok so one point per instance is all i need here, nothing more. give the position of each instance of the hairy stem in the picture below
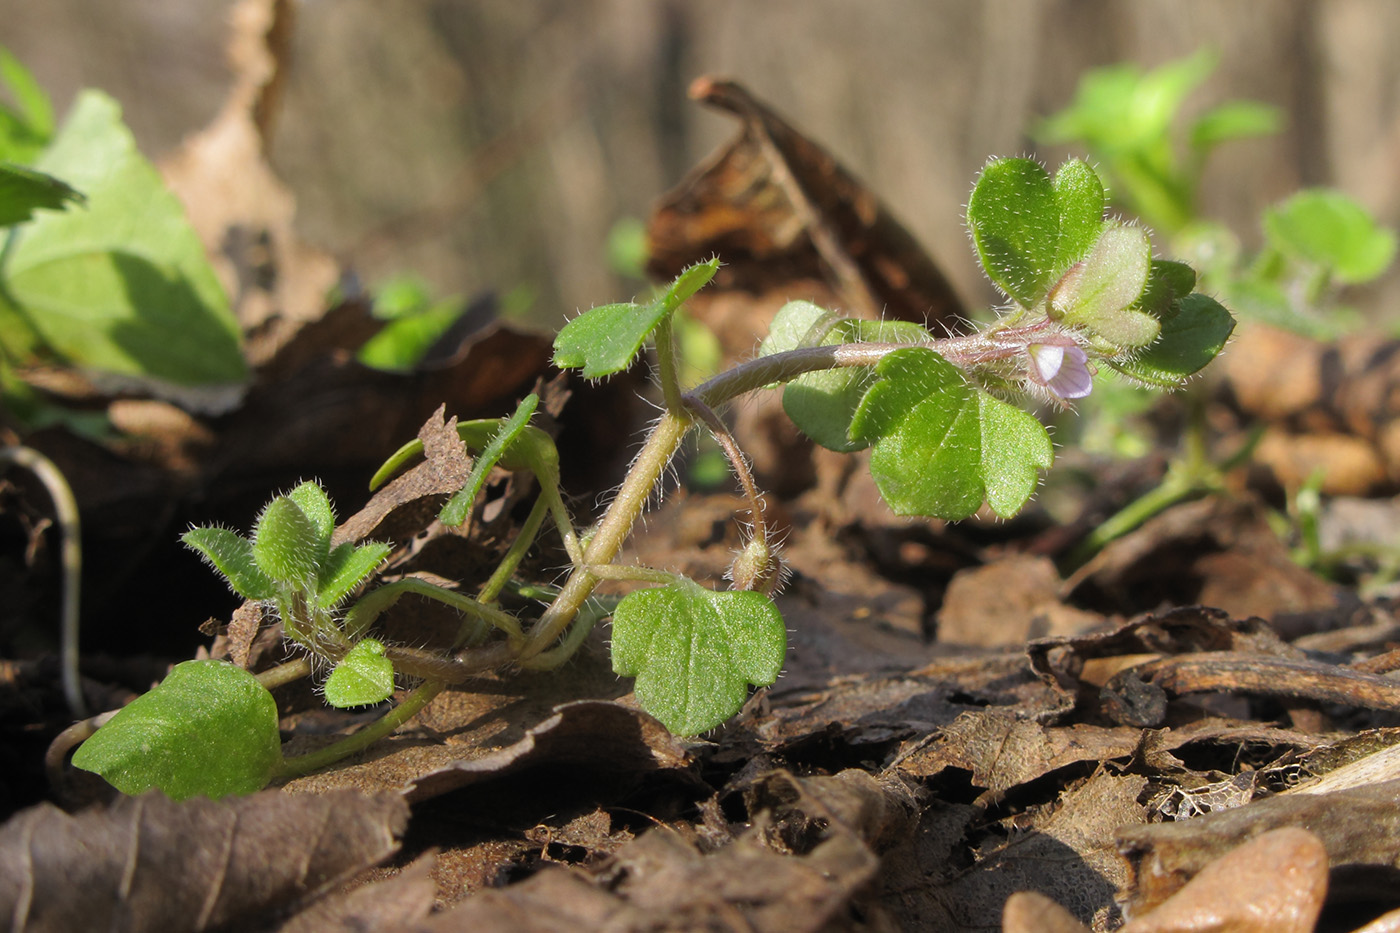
(350, 745)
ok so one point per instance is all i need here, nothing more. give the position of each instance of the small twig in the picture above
(71, 557)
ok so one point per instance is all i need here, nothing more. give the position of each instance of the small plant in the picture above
(945, 441)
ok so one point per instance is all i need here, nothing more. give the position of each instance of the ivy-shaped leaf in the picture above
(941, 446)
(363, 677)
(694, 651)
(209, 729)
(24, 191)
(606, 339)
(1194, 331)
(1014, 218)
(232, 555)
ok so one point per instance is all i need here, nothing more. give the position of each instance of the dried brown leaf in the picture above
(1360, 828)
(148, 863)
(1275, 883)
(776, 209)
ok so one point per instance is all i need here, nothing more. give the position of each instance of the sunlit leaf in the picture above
(209, 729)
(1194, 331)
(1098, 293)
(232, 555)
(24, 191)
(942, 446)
(363, 677)
(286, 544)
(347, 567)
(1015, 223)
(457, 509)
(1328, 228)
(694, 651)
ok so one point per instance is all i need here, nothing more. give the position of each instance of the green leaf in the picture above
(232, 555)
(23, 191)
(694, 651)
(287, 544)
(1234, 119)
(1098, 293)
(363, 677)
(401, 343)
(1326, 227)
(457, 509)
(208, 730)
(1079, 195)
(347, 567)
(690, 281)
(1167, 282)
(24, 131)
(822, 404)
(313, 501)
(122, 287)
(1194, 332)
(942, 446)
(1015, 222)
(798, 324)
(605, 340)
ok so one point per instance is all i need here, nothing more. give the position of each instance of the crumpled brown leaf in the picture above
(778, 209)
(149, 863)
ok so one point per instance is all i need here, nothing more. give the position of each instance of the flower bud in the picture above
(757, 567)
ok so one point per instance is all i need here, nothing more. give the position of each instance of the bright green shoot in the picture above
(937, 412)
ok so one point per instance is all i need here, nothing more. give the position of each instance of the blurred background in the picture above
(495, 144)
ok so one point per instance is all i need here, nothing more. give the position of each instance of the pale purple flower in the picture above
(1064, 370)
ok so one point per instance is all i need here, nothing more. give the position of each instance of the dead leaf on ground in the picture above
(149, 863)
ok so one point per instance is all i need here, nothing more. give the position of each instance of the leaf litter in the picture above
(965, 737)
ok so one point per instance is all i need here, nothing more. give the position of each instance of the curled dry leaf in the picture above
(1031, 912)
(148, 863)
(777, 209)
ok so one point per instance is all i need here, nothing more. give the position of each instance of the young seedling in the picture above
(945, 442)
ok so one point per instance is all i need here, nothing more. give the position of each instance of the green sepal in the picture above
(1098, 293)
(694, 651)
(286, 544)
(942, 446)
(363, 677)
(208, 730)
(1194, 331)
(232, 555)
(1014, 219)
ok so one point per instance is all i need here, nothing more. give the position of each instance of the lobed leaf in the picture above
(941, 446)
(363, 677)
(1014, 219)
(287, 544)
(1194, 331)
(24, 191)
(694, 651)
(209, 729)
(232, 555)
